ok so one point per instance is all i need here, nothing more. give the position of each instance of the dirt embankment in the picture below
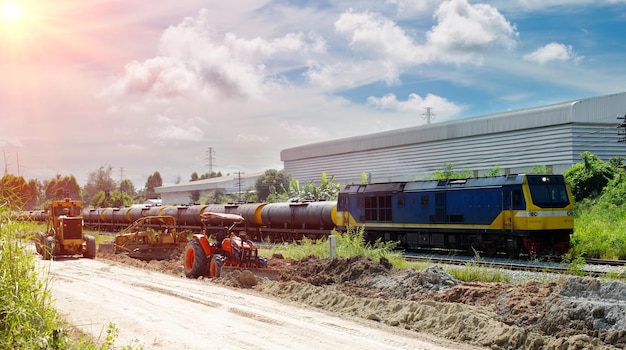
(579, 313)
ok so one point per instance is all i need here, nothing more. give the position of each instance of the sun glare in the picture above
(11, 12)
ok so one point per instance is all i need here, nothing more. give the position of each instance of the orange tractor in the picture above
(226, 253)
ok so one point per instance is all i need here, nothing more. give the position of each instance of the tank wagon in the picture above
(276, 222)
(530, 214)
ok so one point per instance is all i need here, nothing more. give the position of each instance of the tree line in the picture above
(101, 190)
(588, 179)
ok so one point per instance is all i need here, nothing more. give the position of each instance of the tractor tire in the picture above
(40, 239)
(194, 259)
(215, 269)
(47, 250)
(90, 247)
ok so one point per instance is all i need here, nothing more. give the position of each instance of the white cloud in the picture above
(553, 52)
(439, 106)
(196, 60)
(464, 30)
(412, 8)
(131, 147)
(376, 35)
(245, 138)
(297, 130)
(462, 34)
(175, 133)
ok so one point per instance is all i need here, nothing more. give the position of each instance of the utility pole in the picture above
(622, 129)
(209, 159)
(239, 185)
(17, 158)
(6, 164)
(428, 115)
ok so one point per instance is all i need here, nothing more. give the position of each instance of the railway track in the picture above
(592, 267)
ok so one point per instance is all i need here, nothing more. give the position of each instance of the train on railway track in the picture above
(519, 214)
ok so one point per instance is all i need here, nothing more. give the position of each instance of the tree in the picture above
(365, 178)
(60, 187)
(15, 191)
(271, 181)
(99, 180)
(495, 171)
(587, 179)
(194, 196)
(153, 182)
(539, 169)
(448, 172)
(327, 189)
(115, 198)
(210, 175)
(126, 186)
(215, 197)
(194, 177)
(36, 197)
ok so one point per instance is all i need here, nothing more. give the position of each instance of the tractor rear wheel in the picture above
(217, 261)
(90, 247)
(48, 248)
(194, 259)
(40, 241)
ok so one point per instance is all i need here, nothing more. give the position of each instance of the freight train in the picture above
(512, 214)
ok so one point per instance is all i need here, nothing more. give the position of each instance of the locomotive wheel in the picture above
(194, 259)
(215, 269)
(90, 249)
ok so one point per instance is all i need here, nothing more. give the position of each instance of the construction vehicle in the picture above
(64, 232)
(149, 238)
(226, 253)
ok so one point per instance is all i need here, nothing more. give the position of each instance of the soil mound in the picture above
(578, 313)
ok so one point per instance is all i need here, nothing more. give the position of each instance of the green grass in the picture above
(28, 319)
(350, 243)
(599, 231)
(472, 272)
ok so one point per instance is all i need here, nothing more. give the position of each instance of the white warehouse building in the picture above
(229, 184)
(553, 136)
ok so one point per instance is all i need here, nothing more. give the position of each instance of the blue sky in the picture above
(149, 86)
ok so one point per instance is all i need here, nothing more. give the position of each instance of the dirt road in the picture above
(160, 311)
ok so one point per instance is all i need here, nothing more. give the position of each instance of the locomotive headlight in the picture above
(534, 213)
(570, 213)
(545, 179)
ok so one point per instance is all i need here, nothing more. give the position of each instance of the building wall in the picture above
(514, 141)
(230, 184)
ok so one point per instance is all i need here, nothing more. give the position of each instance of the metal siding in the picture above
(411, 162)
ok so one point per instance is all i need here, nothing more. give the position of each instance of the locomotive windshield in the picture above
(548, 191)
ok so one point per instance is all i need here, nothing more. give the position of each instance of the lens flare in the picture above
(11, 12)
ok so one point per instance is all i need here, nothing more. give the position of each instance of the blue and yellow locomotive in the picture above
(514, 214)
